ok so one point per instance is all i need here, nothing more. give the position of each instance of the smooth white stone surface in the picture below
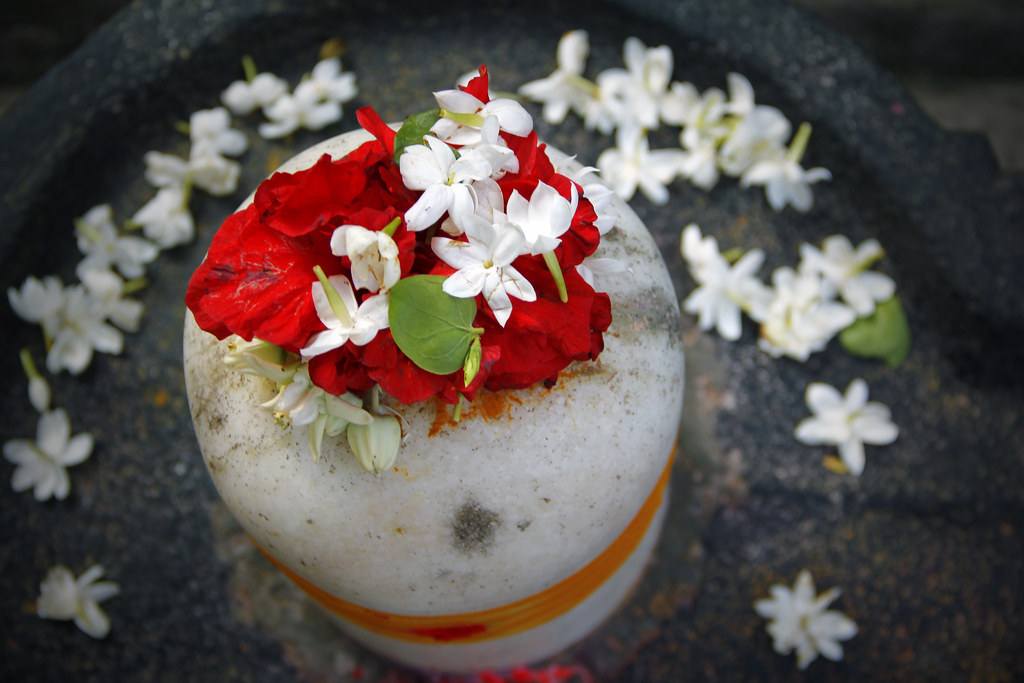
(486, 512)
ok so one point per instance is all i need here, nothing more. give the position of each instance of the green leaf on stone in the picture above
(413, 129)
(434, 329)
(884, 334)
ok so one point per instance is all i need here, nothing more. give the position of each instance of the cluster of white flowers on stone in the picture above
(720, 133)
(800, 620)
(63, 597)
(91, 315)
(315, 102)
(166, 219)
(802, 310)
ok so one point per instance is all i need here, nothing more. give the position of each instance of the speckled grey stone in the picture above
(925, 544)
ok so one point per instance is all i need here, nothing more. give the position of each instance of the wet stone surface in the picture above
(925, 545)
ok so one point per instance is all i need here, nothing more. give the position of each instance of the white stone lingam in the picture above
(493, 542)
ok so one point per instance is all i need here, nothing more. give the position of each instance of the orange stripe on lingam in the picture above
(506, 620)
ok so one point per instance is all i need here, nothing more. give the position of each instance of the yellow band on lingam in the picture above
(506, 620)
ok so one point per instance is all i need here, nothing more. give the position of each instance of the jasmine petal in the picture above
(63, 597)
(847, 421)
(41, 464)
(798, 620)
(103, 247)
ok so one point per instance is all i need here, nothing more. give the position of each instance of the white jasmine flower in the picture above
(40, 302)
(261, 358)
(358, 323)
(212, 172)
(301, 403)
(565, 88)
(544, 218)
(206, 168)
(631, 164)
(373, 253)
(41, 464)
(680, 103)
(38, 387)
(212, 127)
(82, 329)
(484, 264)
(103, 247)
(784, 180)
(724, 291)
(63, 597)
(699, 163)
(243, 97)
(165, 170)
(638, 90)
(330, 83)
(463, 115)
(799, 620)
(801, 318)
(705, 121)
(846, 269)
(592, 266)
(759, 136)
(493, 149)
(107, 289)
(741, 95)
(608, 108)
(445, 181)
(166, 219)
(489, 201)
(302, 109)
(599, 195)
(846, 421)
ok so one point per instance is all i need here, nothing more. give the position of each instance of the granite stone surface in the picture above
(925, 544)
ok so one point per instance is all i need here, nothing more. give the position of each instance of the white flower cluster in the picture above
(803, 309)
(465, 187)
(315, 102)
(76, 319)
(80, 319)
(800, 620)
(720, 133)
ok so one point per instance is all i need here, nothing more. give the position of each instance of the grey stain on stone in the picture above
(472, 527)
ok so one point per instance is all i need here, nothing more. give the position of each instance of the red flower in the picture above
(256, 279)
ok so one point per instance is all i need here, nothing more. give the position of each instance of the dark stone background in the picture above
(926, 544)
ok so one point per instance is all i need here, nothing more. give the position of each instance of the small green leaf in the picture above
(434, 329)
(413, 129)
(884, 334)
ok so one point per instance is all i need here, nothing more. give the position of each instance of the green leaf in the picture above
(884, 334)
(413, 129)
(434, 329)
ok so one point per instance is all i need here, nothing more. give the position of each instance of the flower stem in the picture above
(249, 66)
(28, 364)
(584, 84)
(333, 298)
(799, 143)
(391, 227)
(88, 231)
(471, 120)
(134, 285)
(556, 272)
